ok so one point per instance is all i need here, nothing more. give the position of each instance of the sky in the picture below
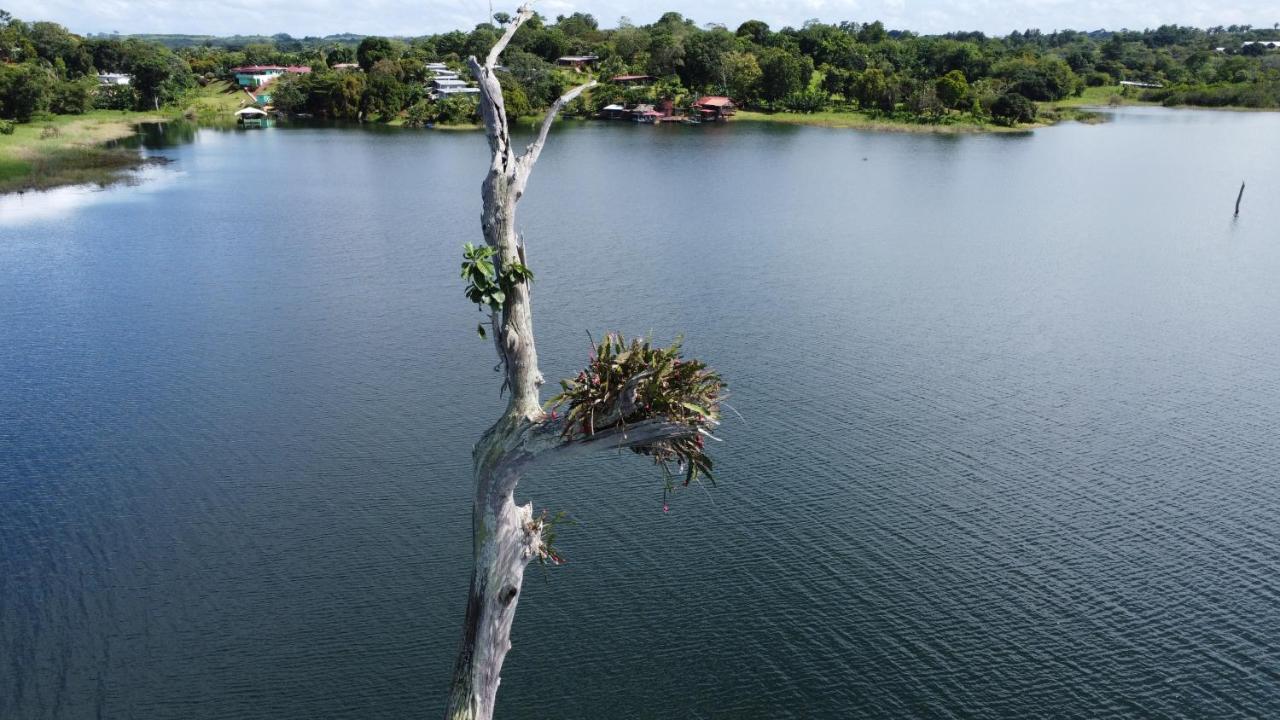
(419, 17)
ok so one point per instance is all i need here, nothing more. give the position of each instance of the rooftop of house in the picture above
(714, 101)
(628, 78)
(578, 58)
(247, 69)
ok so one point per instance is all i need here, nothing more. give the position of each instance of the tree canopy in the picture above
(833, 66)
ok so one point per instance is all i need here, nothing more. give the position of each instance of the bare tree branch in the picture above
(522, 16)
(492, 105)
(532, 152)
(494, 113)
(495, 323)
(547, 438)
(646, 432)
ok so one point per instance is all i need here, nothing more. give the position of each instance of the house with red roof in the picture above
(714, 107)
(253, 79)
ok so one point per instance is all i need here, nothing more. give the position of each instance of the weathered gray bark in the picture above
(507, 536)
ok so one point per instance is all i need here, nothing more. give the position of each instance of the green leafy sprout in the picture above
(485, 285)
(545, 527)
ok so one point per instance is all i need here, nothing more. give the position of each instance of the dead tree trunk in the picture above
(507, 536)
(1239, 198)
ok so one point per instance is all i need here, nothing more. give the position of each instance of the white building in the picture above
(451, 86)
(114, 79)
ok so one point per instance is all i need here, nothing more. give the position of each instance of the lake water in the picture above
(1008, 444)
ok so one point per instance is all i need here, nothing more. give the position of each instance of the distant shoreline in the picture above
(65, 150)
(856, 120)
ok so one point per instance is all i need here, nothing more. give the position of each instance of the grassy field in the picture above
(72, 149)
(1112, 95)
(400, 122)
(68, 149)
(1108, 95)
(866, 121)
(1068, 109)
(215, 103)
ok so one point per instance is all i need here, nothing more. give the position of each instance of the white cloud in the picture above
(406, 17)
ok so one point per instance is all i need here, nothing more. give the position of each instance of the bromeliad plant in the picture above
(627, 383)
(485, 284)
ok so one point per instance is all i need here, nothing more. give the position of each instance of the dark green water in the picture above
(1009, 446)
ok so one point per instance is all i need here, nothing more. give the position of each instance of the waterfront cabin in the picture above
(252, 117)
(114, 79)
(714, 107)
(577, 62)
(631, 80)
(614, 112)
(643, 113)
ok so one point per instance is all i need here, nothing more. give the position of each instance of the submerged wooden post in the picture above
(1238, 197)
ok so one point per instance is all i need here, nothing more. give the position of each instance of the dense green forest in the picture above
(848, 66)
